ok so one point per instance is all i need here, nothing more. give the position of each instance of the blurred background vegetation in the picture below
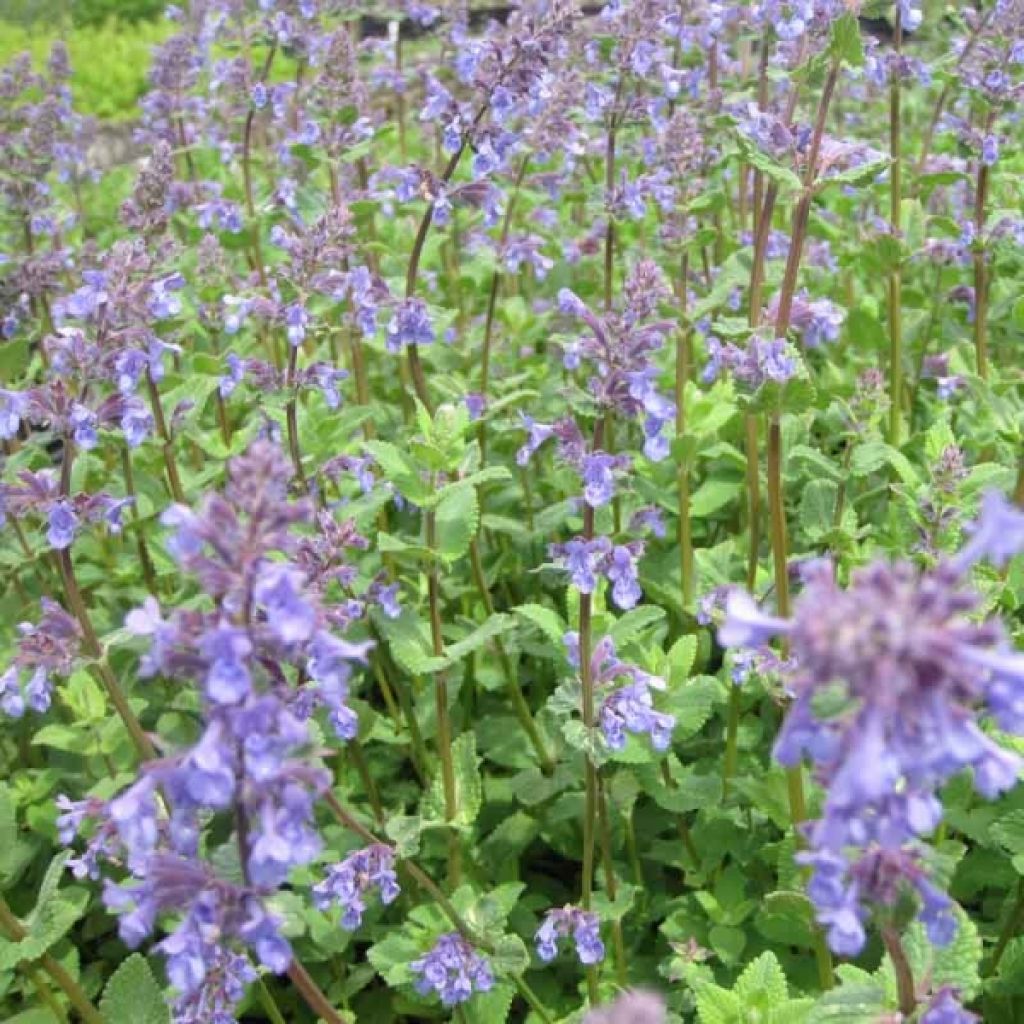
(109, 42)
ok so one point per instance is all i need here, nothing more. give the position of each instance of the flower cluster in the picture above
(452, 969)
(628, 708)
(886, 679)
(587, 561)
(348, 882)
(582, 925)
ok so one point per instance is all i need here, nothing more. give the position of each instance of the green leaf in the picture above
(51, 923)
(691, 703)
(489, 1007)
(392, 955)
(846, 43)
(717, 1005)
(857, 1003)
(634, 622)
(762, 162)
(762, 985)
(132, 995)
(681, 657)
(956, 964)
(399, 469)
(469, 789)
(1008, 831)
(510, 955)
(818, 508)
(711, 496)
(494, 626)
(457, 517)
(404, 831)
(787, 918)
(728, 942)
(547, 620)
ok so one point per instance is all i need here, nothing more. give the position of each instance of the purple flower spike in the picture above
(63, 524)
(348, 882)
(452, 969)
(583, 925)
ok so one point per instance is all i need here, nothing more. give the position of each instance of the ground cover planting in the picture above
(514, 515)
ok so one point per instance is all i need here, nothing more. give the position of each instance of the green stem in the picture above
(90, 640)
(981, 282)
(250, 202)
(268, 1002)
(76, 995)
(148, 572)
(731, 740)
(684, 829)
(167, 444)
(610, 882)
(291, 417)
(45, 995)
(684, 337)
(588, 714)
(519, 704)
(895, 277)
(1010, 928)
(444, 729)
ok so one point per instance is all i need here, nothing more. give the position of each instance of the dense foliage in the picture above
(518, 524)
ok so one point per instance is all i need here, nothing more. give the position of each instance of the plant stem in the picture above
(167, 446)
(684, 829)
(444, 729)
(901, 967)
(732, 727)
(268, 1002)
(610, 882)
(895, 276)
(981, 282)
(588, 715)
(250, 202)
(45, 995)
(684, 340)
(312, 994)
(148, 573)
(90, 640)
(1010, 929)
(519, 705)
(358, 758)
(940, 103)
(291, 416)
(492, 302)
(76, 995)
